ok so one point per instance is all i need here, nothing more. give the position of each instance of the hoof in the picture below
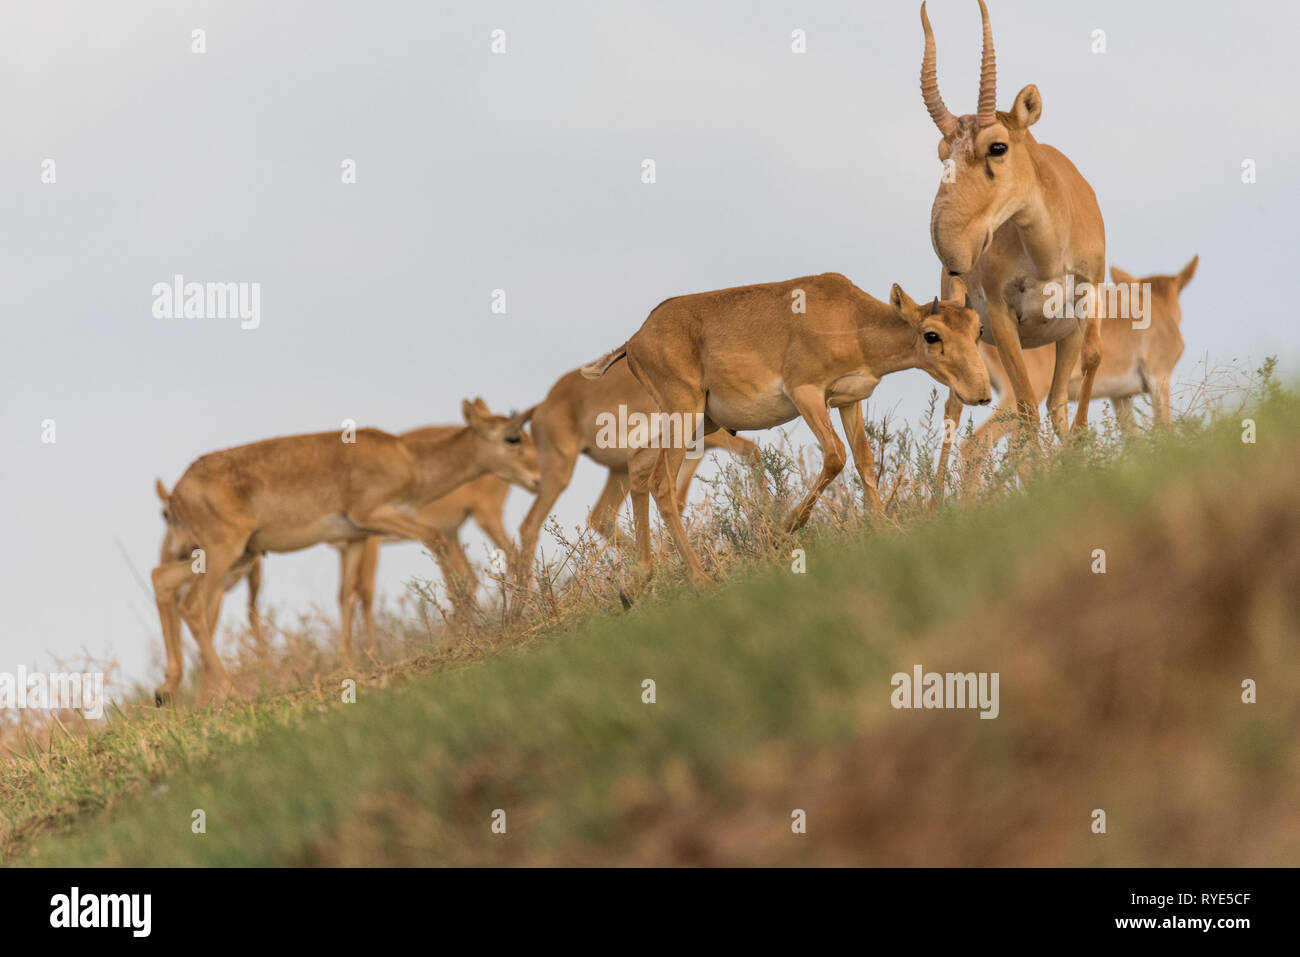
(627, 602)
(162, 697)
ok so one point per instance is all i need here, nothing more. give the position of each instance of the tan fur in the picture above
(1005, 226)
(482, 499)
(1133, 362)
(565, 426)
(746, 360)
(289, 493)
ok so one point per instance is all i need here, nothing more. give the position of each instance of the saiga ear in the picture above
(908, 310)
(473, 417)
(1028, 107)
(1120, 277)
(162, 491)
(1187, 273)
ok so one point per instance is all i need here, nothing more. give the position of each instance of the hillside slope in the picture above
(1119, 691)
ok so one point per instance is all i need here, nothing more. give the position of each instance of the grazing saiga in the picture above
(743, 358)
(284, 494)
(1011, 216)
(482, 499)
(1133, 360)
(176, 547)
(567, 423)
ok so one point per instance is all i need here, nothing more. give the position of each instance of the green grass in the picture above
(772, 693)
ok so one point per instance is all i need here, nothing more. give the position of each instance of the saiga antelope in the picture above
(482, 499)
(742, 358)
(566, 425)
(288, 493)
(1133, 361)
(1012, 215)
(176, 546)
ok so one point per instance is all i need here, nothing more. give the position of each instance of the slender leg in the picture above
(196, 606)
(863, 458)
(168, 579)
(1090, 360)
(557, 469)
(385, 518)
(1067, 357)
(349, 561)
(811, 403)
(986, 436)
(1007, 335)
(364, 585)
(1123, 407)
(254, 579)
(458, 574)
(604, 513)
(675, 397)
(641, 463)
(951, 419)
(1162, 389)
(491, 524)
(685, 475)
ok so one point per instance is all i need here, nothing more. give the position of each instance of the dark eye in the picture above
(981, 330)
(932, 337)
(997, 149)
(513, 439)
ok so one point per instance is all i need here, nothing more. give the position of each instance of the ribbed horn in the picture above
(986, 111)
(930, 82)
(934, 306)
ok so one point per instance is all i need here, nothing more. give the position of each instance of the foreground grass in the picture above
(1119, 692)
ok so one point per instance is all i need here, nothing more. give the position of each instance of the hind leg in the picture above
(605, 512)
(641, 463)
(198, 605)
(683, 407)
(1090, 360)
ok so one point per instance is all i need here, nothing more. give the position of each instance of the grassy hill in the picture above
(1119, 691)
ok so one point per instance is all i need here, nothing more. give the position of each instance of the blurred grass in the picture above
(1119, 691)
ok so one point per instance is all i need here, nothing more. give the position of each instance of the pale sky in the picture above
(521, 171)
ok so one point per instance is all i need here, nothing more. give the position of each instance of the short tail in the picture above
(594, 370)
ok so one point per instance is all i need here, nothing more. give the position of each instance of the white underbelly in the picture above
(759, 410)
(1111, 387)
(289, 538)
(1035, 332)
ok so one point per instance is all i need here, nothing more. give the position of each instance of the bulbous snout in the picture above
(976, 390)
(958, 241)
(970, 378)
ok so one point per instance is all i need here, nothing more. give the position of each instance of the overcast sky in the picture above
(522, 172)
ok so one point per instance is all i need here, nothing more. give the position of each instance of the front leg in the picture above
(1058, 394)
(388, 519)
(951, 419)
(350, 555)
(810, 400)
(1006, 334)
(863, 459)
